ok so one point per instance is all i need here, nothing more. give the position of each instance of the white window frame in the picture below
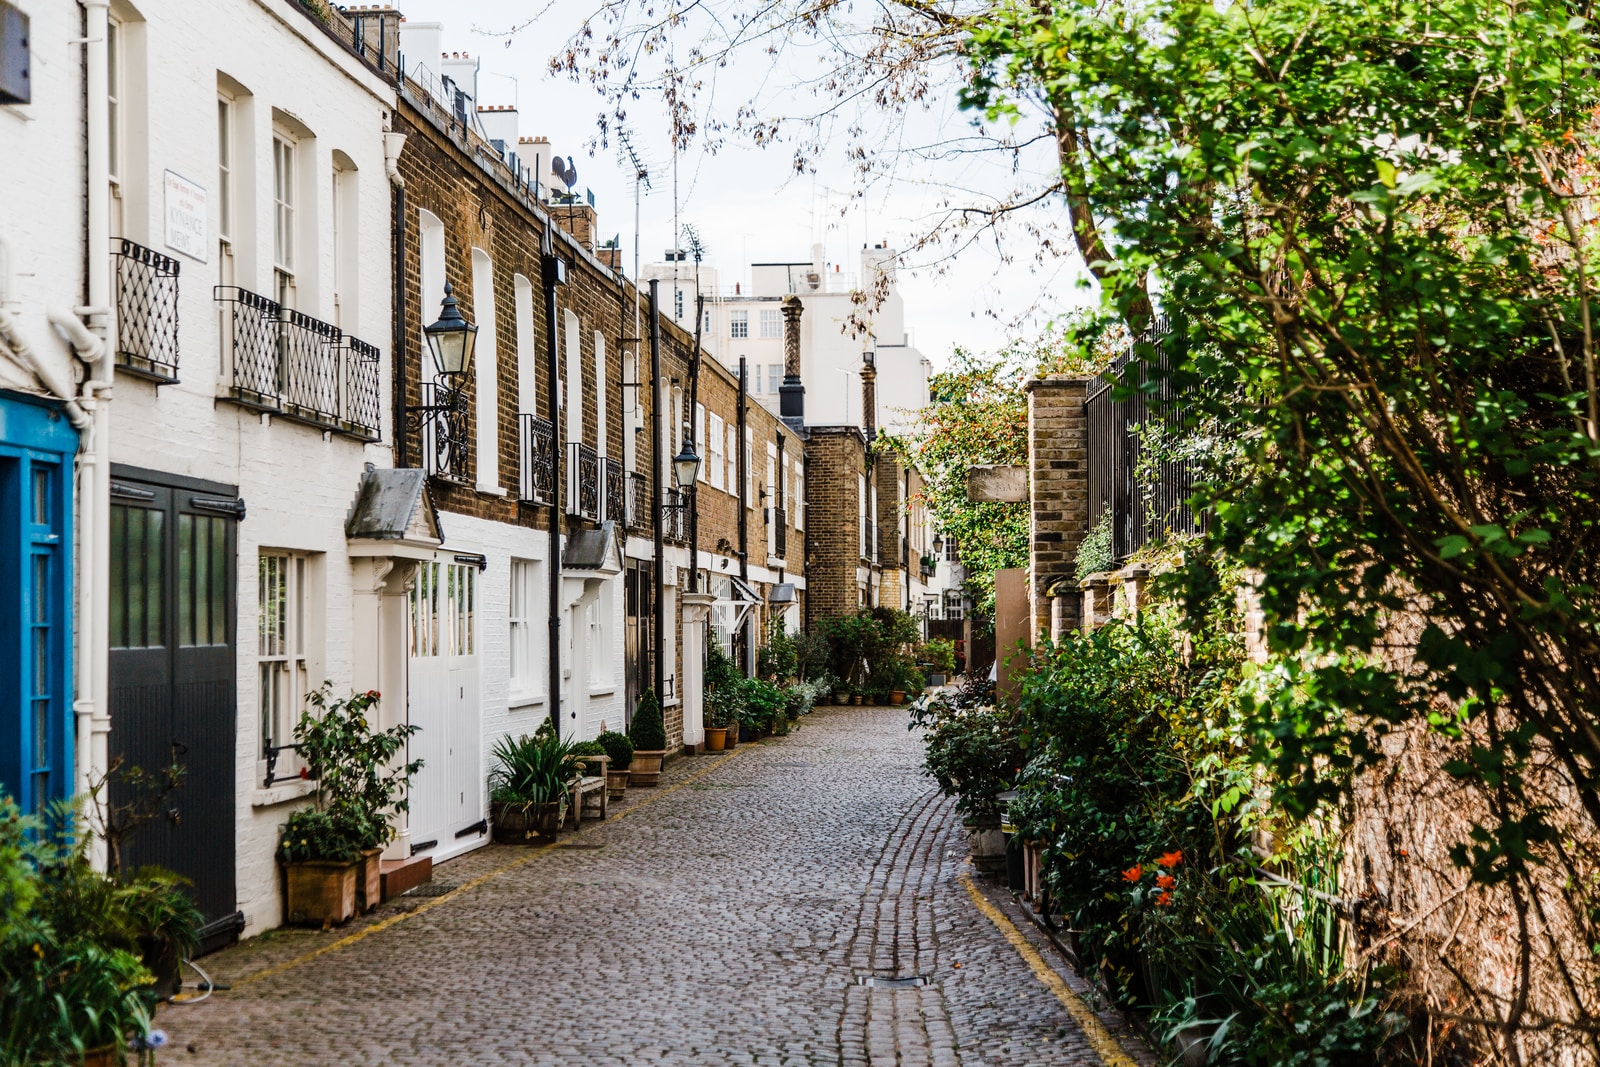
(750, 499)
(738, 324)
(799, 495)
(344, 215)
(718, 463)
(700, 442)
(285, 209)
(774, 377)
(227, 122)
(771, 323)
(283, 677)
(116, 101)
(525, 676)
(733, 459)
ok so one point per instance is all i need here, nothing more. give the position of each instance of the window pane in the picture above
(217, 602)
(119, 585)
(41, 495)
(186, 580)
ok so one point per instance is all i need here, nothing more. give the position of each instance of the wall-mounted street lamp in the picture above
(451, 341)
(938, 542)
(686, 467)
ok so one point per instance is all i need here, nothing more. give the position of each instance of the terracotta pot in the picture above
(105, 1056)
(646, 768)
(369, 881)
(859, 699)
(320, 892)
(897, 696)
(716, 738)
(841, 698)
(616, 783)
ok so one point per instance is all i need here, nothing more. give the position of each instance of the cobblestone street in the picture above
(728, 917)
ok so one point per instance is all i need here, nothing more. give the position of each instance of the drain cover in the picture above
(873, 981)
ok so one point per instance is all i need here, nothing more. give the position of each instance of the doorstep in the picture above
(401, 875)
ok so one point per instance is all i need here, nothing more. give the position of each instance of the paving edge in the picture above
(1105, 1045)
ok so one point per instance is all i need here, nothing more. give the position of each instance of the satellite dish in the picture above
(565, 170)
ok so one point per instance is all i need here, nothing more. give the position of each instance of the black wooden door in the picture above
(173, 693)
(638, 634)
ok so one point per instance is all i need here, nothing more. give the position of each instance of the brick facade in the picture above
(1058, 480)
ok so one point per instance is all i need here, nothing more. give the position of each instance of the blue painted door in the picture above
(37, 445)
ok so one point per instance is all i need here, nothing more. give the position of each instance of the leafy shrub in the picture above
(316, 834)
(939, 654)
(972, 751)
(589, 748)
(779, 657)
(618, 747)
(762, 705)
(723, 682)
(531, 771)
(648, 733)
(350, 760)
(1094, 551)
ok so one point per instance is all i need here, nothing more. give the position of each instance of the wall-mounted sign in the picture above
(186, 216)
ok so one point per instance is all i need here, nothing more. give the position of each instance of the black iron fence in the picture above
(675, 517)
(446, 432)
(583, 481)
(1138, 469)
(147, 312)
(616, 490)
(538, 480)
(284, 361)
(638, 501)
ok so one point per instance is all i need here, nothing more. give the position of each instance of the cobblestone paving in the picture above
(731, 917)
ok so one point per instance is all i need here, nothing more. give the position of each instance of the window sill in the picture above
(525, 700)
(494, 490)
(282, 794)
(603, 691)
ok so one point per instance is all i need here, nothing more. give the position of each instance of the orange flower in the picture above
(1170, 859)
(1163, 899)
(1133, 874)
(1166, 881)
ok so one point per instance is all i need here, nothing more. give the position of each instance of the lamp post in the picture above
(452, 341)
(685, 468)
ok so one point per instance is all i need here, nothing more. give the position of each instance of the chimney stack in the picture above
(792, 394)
(869, 395)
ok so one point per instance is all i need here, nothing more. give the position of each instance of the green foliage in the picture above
(159, 905)
(530, 771)
(618, 747)
(1094, 551)
(973, 748)
(351, 761)
(648, 733)
(330, 835)
(723, 682)
(779, 658)
(589, 748)
(868, 650)
(939, 653)
(763, 706)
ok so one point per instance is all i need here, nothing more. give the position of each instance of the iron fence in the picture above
(675, 517)
(446, 433)
(1145, 489)
(250, 345)
(583, 481)
(538, 474)
(638, 501)
(359, 402)
(616, 491)
(308, 355)
(780, 532)
(147, 312)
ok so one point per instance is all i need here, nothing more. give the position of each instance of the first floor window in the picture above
(774, 376)
(771, 323)
(281, 654)
(525, 585)
(739, 324)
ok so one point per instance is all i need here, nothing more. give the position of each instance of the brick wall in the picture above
(836, 459)
(1058, 478)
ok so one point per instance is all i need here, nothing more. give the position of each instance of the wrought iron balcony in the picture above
(147, 312)
(675, 517)
(616, 489)
(778, 533)
(289, 363)
(446, 432)
(638, 501)
(869, 541)
(538, 480)
(583, 481)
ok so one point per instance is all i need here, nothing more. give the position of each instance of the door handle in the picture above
(174, 816)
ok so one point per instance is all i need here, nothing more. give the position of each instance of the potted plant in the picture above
(528, 789)
(330, 851)
(167, 922)
(940, 656)
(723, 684)
(620, 749)
(649, 736)
(974, 753)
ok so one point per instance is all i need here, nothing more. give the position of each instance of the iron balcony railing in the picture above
(583, 481)
(446, 433)
(780, 532)
(638, 501)
(147, 312)
(869, 541)
(675, 517)
(616, 491)
(299, 367)
(538, 480)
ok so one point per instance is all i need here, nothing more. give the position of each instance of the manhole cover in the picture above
(873, 981)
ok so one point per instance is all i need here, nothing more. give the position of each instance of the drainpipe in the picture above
(659, 669)
(694, 433)
(392, 144)
(92, 701)
(744, 519)
(550, 268)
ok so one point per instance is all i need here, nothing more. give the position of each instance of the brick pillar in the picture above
(1058, 496)
(792, 394)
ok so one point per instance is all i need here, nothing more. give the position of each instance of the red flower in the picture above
(1133, 874)
(1163, 899)
(1166, 881)
(372, 694)
(1170, 859)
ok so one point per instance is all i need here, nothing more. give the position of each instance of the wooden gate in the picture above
(447, 814)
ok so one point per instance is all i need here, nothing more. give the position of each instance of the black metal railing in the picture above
(583, 481)
(616, 491)
(638, 501)
(1147, 495)
(446, 432)
(147, 312)
(284, 361)
(780, 532)
(538, 478)
(675, 517)
(869, 540)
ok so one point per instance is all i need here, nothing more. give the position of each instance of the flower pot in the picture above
(716, 738)
(104, 1056)
(841, 697)
(616, 783)
(320, 892)
(646, 768)
(935, 680)
(518, 823)
(897, 696)
(369, 880)
(161, 958)
(732, 737)
(859, 699)
(987, 845)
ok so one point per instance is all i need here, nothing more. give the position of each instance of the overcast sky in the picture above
(748, 204)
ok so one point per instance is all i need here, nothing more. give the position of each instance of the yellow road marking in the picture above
(395, 920)
(1110, 1052)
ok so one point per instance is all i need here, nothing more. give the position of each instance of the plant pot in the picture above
(616, 783)
(987, 845)
(518, 823)
(104, 1056)
(646, 768)
(859, 699)
(897, 696)
(369, 881)
(320, 892)
(716, 738)
(841, 698)
(162, 959)
(935, 680)
(780, 728)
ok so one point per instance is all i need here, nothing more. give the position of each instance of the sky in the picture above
(748, 204)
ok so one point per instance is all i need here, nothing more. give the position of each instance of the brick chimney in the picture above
(792, 394)
(869, 395)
